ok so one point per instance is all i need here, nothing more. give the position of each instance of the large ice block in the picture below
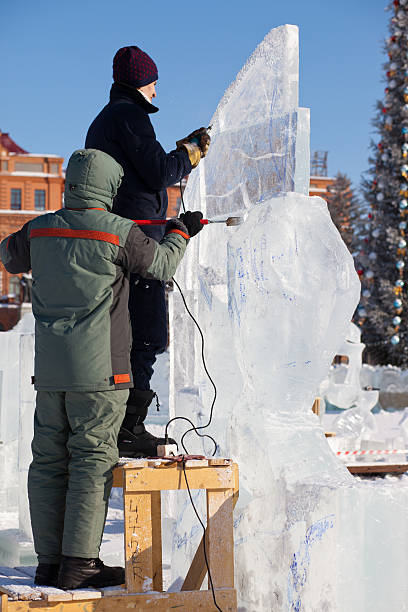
(274, 298)
(260, 138)
(17, 401)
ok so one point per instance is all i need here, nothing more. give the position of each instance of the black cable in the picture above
(196, 428)
(204, 537)
(182, 199)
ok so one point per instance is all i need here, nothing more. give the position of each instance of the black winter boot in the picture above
(139, 443)
(46, 574)
(133, 440)
(78, 573)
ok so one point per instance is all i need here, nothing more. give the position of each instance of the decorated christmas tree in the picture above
(380, 244)
(342, 204)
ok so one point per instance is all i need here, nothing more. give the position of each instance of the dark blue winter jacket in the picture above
(124, 131)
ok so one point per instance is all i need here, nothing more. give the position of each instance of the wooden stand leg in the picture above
(3, 603)
(220, 537)
(138, 542)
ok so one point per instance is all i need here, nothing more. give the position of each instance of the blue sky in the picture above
(56, 67)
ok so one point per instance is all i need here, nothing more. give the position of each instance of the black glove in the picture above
(192, 221)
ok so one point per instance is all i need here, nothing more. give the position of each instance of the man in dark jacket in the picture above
(124, 131)
(81, 257)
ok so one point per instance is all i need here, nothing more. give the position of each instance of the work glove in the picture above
(188, 223)
(192, 222)
(196, 144)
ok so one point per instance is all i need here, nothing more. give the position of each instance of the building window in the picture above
(4, 166)
(16, 199)
(54, 168)
(178, 204)
(28, 167)
(39, 199)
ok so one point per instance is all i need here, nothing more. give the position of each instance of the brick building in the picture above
(319, 186)
(31, 184)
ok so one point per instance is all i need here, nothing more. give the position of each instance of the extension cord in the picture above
(167, 450)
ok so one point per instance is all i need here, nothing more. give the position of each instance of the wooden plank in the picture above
(171, 478)
(220, 534)
(187, 601)
(114, 591)
(138, 538)
(53, 594)
(219, 461)
(157, 542)
(85, 594)
(378, 468)
(20, 592)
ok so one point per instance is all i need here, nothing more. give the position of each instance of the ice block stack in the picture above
(274, 298)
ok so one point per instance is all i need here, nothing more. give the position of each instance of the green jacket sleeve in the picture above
(143, 255)
(15, 251)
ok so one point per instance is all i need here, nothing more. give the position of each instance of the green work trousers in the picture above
(70, 478)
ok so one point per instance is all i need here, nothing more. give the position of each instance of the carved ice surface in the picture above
(274, 298)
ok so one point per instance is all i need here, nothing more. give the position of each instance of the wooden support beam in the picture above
(167, 478)
(157, 541)
(198, 569)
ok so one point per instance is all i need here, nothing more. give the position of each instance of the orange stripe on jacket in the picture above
(55, 232)
(177, 231)
(121, 378)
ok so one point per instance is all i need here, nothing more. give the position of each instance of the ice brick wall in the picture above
(274, 298)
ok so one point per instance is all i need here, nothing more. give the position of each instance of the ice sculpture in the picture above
(274, 298)
(343, 387)
(17, 398)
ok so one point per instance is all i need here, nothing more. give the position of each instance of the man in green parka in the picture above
(81, 257)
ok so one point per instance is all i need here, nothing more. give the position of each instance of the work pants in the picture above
(148, 316)
(70, 478)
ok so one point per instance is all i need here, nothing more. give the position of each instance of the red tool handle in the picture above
(161, 221)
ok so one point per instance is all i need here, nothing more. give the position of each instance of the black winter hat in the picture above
(133, 66)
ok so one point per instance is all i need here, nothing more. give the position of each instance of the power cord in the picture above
(204, 536)
(194, 427)
(181, 194)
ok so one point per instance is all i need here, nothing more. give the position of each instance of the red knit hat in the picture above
(133, 66)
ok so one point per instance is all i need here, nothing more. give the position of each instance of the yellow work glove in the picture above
(196, 145)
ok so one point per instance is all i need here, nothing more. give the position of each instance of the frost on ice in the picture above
(274, 298)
